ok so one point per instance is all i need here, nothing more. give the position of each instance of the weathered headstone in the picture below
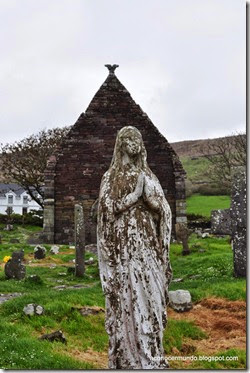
(9, 296)
(239, 221)
(54, 250)
(33, 309)
(182, 234)
(79, 241)
(14, 267)
(233, 221)
(134, 230)
(39, 252)
(9, 227)
(180, 300)
(221, 222)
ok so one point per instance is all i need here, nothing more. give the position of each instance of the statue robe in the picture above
(133, 248)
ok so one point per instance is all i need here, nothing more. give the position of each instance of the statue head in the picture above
(129, 140)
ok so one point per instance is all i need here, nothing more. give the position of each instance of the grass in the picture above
(196, 169)
(177, 330)
(203, 205)
(204, 274)
(208, 273)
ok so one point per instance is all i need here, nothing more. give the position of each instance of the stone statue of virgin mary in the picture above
(134, 228)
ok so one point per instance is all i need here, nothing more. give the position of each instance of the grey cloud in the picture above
(183, 62)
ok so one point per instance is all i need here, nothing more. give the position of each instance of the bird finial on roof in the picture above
(111, 69)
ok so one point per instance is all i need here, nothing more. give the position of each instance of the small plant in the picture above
(6, 258)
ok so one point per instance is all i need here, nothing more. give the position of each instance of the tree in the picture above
(224, 154)
(24, 161)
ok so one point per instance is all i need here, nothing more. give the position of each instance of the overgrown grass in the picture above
(209, 272)
(20, 350)
(203, 205)
(205, 273)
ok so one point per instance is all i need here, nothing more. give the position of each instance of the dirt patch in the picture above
(99, 359)
(223, 321)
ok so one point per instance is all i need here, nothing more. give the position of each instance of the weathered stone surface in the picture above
(14, 267)
(91, 248)
(39, 252)
(177, 279)
(74, 172)
(73, 287)
(182, 233)
(56, 336)
(9, 227)
(79, 241)
(239, 218)
(221, 222)
(134, 229)
(33, 309)
(180, 300)
(54, 250)
(9, 296)
(86, 311)
(90, 261)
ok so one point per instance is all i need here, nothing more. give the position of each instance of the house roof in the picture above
(16, 188)
(5, 188)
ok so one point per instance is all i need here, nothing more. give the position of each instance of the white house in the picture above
(16, 198)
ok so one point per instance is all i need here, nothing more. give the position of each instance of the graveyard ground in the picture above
(215, 327)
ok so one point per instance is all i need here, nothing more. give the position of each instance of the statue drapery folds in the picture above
(134, 229)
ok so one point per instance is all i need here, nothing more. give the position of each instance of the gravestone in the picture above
(39, 252)
(221, 222)
(54, 250)
(182, 233)
(180, 300)
(238, 214)
(33, 309)
(79, 241)
(14, 267)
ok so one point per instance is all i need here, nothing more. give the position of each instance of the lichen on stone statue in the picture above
(133, 239)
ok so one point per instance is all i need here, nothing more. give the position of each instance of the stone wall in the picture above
(74, 174)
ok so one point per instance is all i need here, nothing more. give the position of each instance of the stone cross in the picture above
(221, 222)
(79, 241)
(182, 234)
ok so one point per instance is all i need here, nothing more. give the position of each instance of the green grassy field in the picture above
(196, 169)
(205, 274)
(203, 205)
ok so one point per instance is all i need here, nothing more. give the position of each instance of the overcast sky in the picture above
(183, 61)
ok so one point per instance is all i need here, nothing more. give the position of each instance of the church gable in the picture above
(77, 170)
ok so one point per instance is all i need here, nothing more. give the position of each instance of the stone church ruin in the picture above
(74, 172)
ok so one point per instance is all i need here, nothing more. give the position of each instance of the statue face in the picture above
(131, 143)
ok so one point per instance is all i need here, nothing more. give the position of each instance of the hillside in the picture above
(193, 148)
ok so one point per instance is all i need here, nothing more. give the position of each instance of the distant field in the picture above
(203, 205)
(196, 168)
